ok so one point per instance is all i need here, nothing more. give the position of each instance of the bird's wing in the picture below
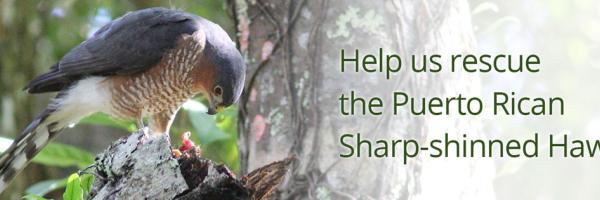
(130, 44)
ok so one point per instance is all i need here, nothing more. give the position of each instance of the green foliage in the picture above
(61, 155)
(217, 135)
(74, 191)
(87, 180)
(205, 126)
(78, 186)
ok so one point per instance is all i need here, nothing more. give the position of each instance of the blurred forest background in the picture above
(566, 36)
(36, 34)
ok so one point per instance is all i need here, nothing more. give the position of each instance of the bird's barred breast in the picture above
(164, 87)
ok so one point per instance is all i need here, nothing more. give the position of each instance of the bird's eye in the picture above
(218, 90)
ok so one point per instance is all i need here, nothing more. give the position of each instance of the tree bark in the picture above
(142, 166)
(290, 104)
(139, 166)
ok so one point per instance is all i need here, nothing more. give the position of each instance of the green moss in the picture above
(369, 22)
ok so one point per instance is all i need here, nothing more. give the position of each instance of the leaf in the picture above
(44, 187)
(87, 180)
(225, 150)
(217, 134)
(33, 197)
(59, 155)
(73, 190)
(62, 155)
(205, 126)
(105, 120)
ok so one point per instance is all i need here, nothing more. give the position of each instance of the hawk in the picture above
(146, 63)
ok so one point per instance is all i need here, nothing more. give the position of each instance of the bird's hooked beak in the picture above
(214, 107)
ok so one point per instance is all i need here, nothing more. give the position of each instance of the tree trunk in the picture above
(290, 105)
(141, 166)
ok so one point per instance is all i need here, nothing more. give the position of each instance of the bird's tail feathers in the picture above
(83, 98)
(29, 143)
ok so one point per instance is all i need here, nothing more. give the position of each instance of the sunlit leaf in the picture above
(205, 126)
(73, 190)
(194, 105)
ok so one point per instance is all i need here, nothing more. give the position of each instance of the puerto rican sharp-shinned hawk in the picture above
(146, 63)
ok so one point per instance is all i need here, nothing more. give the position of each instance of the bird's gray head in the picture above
(230, 70)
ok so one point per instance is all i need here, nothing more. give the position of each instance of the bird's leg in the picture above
(161, 122)
(140, 123)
